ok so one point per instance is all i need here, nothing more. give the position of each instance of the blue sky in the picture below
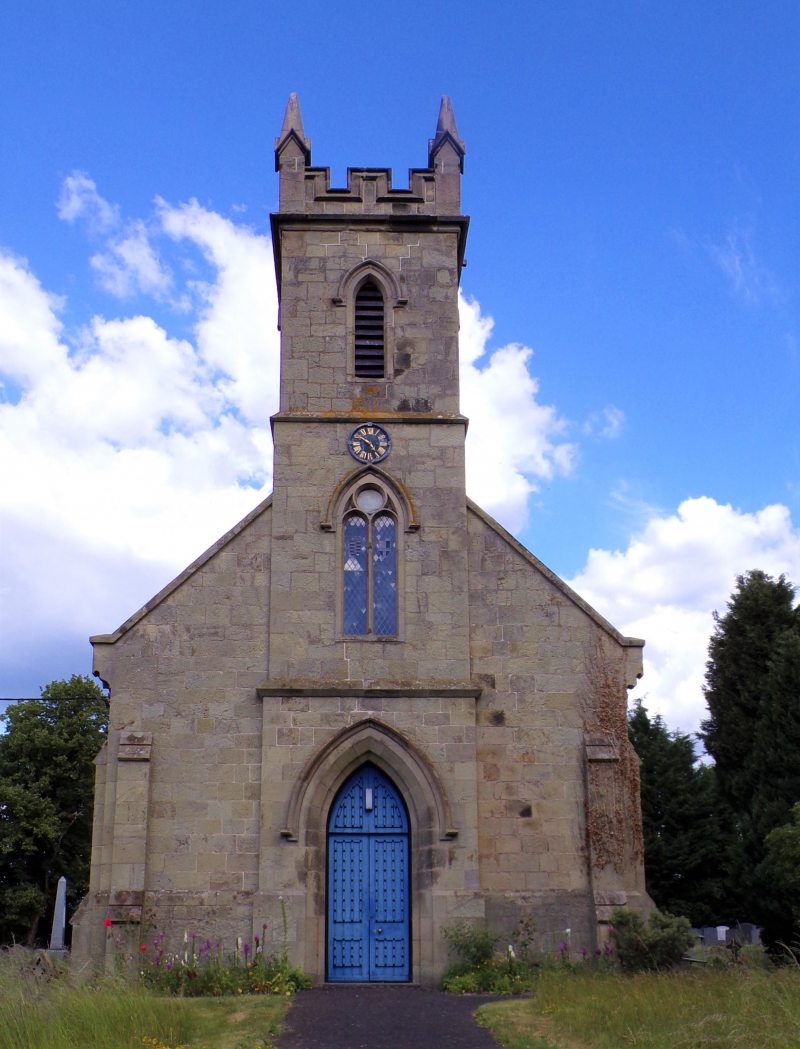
(632, 177)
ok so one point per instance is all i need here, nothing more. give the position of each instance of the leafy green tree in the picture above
(780, 870)
(46, 800)
(683, 839)
(776, 761)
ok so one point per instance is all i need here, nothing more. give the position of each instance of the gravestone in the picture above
(59, 917)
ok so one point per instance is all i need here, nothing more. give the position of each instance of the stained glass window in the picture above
(370, 568)
(384, 576)
(355, 575)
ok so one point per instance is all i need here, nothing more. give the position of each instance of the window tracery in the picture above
(370, 562)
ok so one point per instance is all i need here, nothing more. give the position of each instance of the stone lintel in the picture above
(337, 689)
(125, 905)
(135, 746)
(610, 898)
(601, 751)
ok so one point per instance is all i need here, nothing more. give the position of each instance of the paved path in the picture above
(383, 1018)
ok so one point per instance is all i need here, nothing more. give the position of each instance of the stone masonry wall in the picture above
(187, 672)
(534, 651)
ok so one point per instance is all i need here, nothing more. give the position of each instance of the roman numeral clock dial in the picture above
(369, 443)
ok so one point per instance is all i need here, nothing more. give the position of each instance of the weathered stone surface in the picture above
(238, 705)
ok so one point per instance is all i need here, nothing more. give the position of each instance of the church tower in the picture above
(368, 287)
(367, 710)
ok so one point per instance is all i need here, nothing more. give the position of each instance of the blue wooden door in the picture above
(368, 877)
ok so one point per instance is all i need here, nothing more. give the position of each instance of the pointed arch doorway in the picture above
(368, 912)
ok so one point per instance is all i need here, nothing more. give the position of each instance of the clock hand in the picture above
(369, 442)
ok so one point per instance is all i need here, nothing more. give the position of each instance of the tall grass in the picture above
(726, 1010)
(115, 1014)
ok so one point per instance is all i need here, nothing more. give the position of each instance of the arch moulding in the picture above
(358, 476)
(391, 752)
(393, 288)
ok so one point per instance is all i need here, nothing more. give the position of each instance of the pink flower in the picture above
(108, 923)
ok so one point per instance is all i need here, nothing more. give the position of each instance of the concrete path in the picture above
(383, 1017)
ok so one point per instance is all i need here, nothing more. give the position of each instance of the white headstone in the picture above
(59, 916)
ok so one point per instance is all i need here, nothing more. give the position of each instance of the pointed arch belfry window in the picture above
(369, 332)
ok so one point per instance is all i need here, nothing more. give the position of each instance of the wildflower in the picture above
(169, 966)
(611, 928)
(118, 941)
(597, 950)
(255, 940)
(510, 952)
(246, 948)
(583, 951)
(108, 923)
(563, 948)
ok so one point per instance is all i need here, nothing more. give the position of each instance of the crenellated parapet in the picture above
(435, 190)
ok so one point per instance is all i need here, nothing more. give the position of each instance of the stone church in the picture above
(367, 702)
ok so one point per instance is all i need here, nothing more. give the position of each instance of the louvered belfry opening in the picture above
(369, 348)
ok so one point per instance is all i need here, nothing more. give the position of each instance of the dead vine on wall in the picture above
(613, 812)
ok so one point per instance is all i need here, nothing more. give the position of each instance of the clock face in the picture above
(369, 443)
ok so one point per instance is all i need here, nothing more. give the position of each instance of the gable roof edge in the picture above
(627, 642)
(179, 580)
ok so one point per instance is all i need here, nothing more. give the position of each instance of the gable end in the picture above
(627, 642)
(187, 573)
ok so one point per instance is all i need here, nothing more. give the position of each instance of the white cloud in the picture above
(609, 424)
(129, 451)
(736, 259)
(512, 442)
(614, 421)
(130, 265)
(79, 199)
(671, 577)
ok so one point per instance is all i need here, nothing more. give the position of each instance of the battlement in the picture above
(307, 190)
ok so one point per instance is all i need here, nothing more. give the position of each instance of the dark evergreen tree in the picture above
(46, 800)
(759, 612)
(753, 734)
(776, 762)
(684, 846)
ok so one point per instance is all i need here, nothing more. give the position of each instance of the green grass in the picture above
(697, 1010)
(113, 1014)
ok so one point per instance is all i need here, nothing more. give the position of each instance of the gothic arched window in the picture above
(369, 564)
(369, 332)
